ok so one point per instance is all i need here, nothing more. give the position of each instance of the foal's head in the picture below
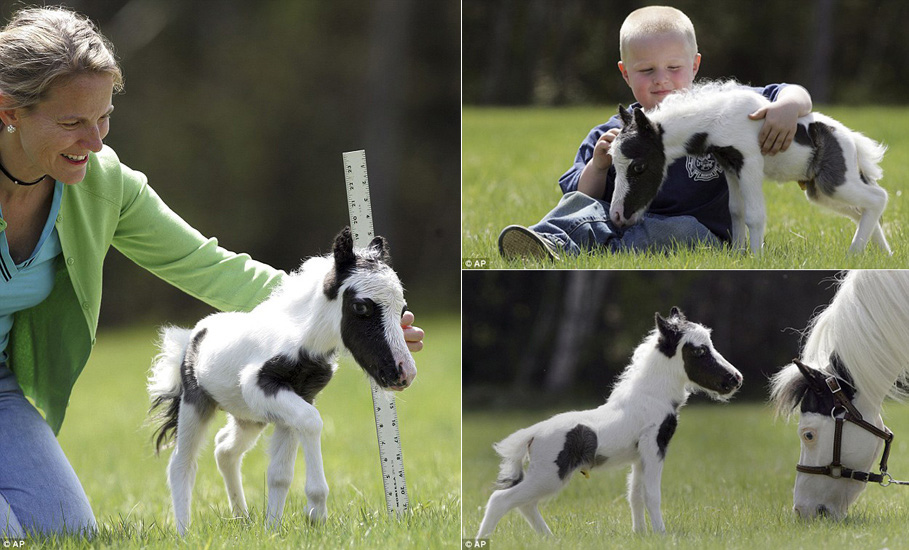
(640, 167)
(704, 367)
(372, 303)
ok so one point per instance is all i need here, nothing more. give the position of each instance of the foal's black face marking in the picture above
(664, 435)
(703, 369)
(305, 375)
(193, 393)
(580, 450)
(642, 143)
(363, 333)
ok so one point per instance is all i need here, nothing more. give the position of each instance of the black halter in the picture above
(844, 412)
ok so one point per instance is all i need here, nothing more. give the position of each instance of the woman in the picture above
(65, 198)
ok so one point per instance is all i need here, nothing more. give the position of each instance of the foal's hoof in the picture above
(316, 514)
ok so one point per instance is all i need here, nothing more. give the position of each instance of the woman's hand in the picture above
(412, 335)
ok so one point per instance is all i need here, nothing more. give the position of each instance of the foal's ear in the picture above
(380, 246)
(667, 327)
(343, 251)
(676, 312)
(817, 380)
(641, 120)
(624, 116)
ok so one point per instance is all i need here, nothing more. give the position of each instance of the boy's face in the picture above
(657, 65)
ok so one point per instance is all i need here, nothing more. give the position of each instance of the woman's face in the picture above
(57, 134)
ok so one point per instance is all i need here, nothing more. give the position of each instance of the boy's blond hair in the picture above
(656, 20)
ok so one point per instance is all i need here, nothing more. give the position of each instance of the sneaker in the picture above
(516, 241)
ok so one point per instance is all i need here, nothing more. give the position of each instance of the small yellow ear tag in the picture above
(585, 473)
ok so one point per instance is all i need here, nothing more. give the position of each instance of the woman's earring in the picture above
(11, 129)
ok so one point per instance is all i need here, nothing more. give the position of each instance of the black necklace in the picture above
(22, 183)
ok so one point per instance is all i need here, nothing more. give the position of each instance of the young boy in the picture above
(659, 55)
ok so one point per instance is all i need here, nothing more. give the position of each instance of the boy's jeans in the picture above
(39, 491)
(580, 222)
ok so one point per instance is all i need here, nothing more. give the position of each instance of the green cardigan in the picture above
(114, 205)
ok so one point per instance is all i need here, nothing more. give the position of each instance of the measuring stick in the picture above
(383, 404)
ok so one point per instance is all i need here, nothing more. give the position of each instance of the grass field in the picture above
(727, 484)
(513, 158)
(111, 451)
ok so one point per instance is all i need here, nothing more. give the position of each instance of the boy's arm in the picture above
(593, 177)
(593, 149)
(780, 118)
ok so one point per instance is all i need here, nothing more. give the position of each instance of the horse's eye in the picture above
(363, 309)
(808, 435)
(638, 168)
(700, 352)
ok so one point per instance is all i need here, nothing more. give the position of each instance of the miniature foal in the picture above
(267, 366)
(635, 425)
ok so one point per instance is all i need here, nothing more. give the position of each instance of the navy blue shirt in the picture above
(694, 186)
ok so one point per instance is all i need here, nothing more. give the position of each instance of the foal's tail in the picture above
(870, 154)
(165, 385)
(513, 450)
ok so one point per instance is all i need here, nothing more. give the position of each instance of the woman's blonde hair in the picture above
(39, 47)
(656, 20)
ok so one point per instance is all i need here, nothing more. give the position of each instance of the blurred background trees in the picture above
(545, 337)
(543, 52)
(238, 113)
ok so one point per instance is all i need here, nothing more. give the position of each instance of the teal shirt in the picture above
(114, 206)
(28, 283)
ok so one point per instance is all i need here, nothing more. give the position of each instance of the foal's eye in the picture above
(700, 352)
(638, 168)
(363, 309)
(809, 435)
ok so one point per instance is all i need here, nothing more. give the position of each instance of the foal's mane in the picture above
(694, 97)
(865, 325)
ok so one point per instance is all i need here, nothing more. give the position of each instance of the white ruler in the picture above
(383, 404)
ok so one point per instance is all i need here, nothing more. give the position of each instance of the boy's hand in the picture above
(780, 120)
(602, 160)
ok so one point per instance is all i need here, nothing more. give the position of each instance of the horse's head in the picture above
(372, 303)
(640, 167)
(801, 385)
(704, 367)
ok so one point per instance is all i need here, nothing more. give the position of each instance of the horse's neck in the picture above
(650, 376)
(305, 315)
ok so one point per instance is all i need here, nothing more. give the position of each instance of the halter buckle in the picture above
(836, 472)
(834, 385)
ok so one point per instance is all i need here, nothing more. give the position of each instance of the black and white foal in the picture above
(267, 366)
(837, 167)
(635, 425)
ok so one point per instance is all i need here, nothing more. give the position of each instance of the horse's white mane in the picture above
(866, 325)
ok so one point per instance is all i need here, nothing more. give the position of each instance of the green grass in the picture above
(727, 484)
(111, 451)
(513, 158)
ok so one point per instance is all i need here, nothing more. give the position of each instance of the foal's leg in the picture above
(231, 443)
(305, 423)
(525, 494)
(751, 180)
(736, 212)
(652, 464)
(181, 471)
(316, 485)
(280, 471)
(636, 497)
(531, 513)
